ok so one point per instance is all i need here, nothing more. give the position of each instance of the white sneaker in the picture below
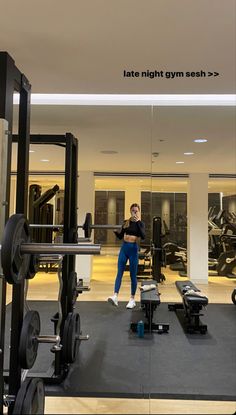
(131, 303)
(113, 300)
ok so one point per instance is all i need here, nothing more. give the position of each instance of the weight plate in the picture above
(70, 337)
(71, 288)
(20, 397)
(33, 267)
(35, 398)
(87, 225)
(233, 296)
(65, 338)
(28, 347)
(15, 265)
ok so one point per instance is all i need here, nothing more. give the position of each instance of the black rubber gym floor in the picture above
(116, 363)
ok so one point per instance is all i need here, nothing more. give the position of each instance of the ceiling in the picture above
(84, 47)
(135, 133)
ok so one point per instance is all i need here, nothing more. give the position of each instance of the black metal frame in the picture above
(158, 253)
(70, 143)
(11, 79)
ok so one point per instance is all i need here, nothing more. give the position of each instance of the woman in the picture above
(131, 230)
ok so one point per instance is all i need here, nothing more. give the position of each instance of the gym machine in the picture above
(26, 395)
(11, 80)
(158, 253)
(40, 211)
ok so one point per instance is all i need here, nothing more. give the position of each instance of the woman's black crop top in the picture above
(134, 228)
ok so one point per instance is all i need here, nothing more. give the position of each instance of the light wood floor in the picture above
(45, 287)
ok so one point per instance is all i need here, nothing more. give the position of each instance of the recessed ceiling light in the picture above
(179, 162)
(200, 140)
(188, 154)
(45, 160)
(31, 151)
(109, 152)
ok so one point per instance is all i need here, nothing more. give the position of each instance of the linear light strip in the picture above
(134, 100)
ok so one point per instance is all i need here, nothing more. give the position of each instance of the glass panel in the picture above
(178, 155)
(109, 209)
(222, 225)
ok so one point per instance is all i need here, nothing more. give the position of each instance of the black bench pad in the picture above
(191, 298)
(151, 296)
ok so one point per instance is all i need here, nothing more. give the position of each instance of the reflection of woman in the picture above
(131, 230)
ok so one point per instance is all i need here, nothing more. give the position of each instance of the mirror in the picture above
(187, 142)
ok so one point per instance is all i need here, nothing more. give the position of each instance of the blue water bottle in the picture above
(140, 328)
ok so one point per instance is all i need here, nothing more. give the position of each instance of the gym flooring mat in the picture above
(115, 362)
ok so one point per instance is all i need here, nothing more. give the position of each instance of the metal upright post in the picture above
(23, 87)
(10, 79)
(70, 213)
(21, 207)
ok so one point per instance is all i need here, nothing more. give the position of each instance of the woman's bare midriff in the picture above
(130, 238)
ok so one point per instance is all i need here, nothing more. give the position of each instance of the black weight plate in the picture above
(74, 331)
(70, 334)
(20, 397)
(33, 267)
(65, 338)
(35, 398)
(233, 296)
(87, 225)
(14, 264)
(71, 288)
(28, 347)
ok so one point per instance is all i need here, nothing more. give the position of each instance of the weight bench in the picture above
(149, 300)
(193, 302)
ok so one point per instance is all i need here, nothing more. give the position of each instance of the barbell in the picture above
(17, 250)
(87, 227)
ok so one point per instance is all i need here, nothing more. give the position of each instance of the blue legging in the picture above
(129, 250)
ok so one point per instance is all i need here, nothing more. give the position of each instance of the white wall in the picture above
(84, 263)
(197, 242)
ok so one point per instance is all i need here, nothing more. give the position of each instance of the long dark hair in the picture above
(126, 224)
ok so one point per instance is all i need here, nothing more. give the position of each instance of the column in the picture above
(84, 263)
(165, 211)
(197, 242)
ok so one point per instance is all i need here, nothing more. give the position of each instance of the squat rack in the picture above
(11, 80)
(70, 143)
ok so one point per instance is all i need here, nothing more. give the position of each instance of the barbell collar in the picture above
(63, 249)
